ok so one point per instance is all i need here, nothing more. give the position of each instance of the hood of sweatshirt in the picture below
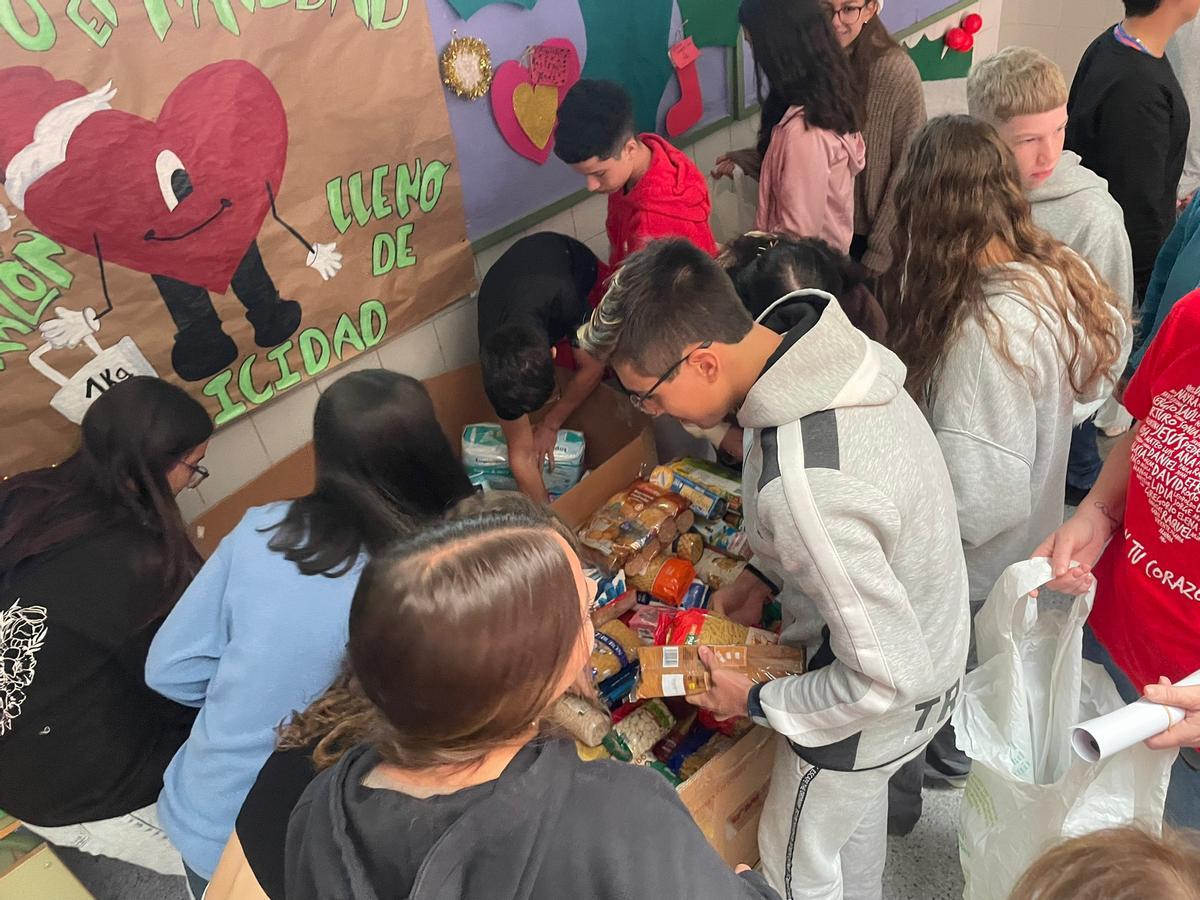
(1070, 179)
(853, 144)
(823, 363)
(496, 848)
(672, 186)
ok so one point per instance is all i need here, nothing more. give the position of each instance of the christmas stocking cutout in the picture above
(686, 113)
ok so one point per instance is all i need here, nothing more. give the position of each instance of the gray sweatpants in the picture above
(823, 833)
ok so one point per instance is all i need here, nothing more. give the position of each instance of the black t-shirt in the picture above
(543, 279)
(82, 737)
(1129, 121)
(262, 824)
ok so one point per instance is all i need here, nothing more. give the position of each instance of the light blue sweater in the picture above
(250, 641)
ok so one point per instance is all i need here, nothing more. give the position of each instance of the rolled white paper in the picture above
(1119, 730)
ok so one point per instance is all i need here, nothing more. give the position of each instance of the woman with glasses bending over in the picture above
(93, 555)
(262, 629)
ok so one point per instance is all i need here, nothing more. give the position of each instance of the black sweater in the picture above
(81, 736)
(1129, 121)
(551, 827)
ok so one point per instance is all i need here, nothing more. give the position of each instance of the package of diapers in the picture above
(485, 457)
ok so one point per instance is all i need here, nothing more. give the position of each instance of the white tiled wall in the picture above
(244, 449)
(1062, 29)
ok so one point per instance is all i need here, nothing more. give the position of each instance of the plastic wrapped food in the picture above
(676, 671)
(701, 627)
(712, 490)
(584, 721)
(590, 754)
(616, 647)
(718, 743)
(722, 536)
(642, 496)
(718, 570)
(617, 689)
(698, 596)
(485, 457)
(639, 731)
(689, 546)
(644, 621)
(666, 578)
(623, 604)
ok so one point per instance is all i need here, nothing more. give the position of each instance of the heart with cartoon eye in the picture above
(182, 195)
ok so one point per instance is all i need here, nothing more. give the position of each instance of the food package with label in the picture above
(666, 578)
(713, 490)
(676, 671)
(645, 618)
(615, 649)
(718, 570)
(633, 527)
(722, 536)
(701, 627)
(485, 457)
(581, 719)
(640, 730)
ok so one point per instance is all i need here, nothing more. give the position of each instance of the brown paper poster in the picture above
(235, 195)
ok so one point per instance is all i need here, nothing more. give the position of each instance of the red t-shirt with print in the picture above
(1147, 610)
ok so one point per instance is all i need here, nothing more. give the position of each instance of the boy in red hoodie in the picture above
(654, 190)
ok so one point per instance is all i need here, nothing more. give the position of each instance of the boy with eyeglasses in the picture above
(851, 516)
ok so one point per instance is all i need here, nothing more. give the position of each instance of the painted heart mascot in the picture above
(181, 197)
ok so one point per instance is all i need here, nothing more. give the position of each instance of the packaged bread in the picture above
(584, 721)
(700, 627)
(614, 542)
(615, 648)
(644, 495)
(718, 570)
(635, 734)
(666, 578)
(677, 671)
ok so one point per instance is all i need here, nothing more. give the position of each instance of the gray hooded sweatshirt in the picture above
(1005, 433)
(1074, 206)
(850, 511)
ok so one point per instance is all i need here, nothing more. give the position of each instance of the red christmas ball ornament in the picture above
(973, 23)
(958, 40)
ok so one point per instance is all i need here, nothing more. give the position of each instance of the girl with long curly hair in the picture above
(809, 136)
(1002, 328)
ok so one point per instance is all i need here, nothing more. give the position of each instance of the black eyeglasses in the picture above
(848, 14)
(640, 400)
(199, 473)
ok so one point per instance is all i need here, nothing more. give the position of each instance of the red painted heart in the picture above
(183, 195)
(510, 76)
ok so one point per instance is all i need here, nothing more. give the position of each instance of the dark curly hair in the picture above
(797, 55)
(594, 120)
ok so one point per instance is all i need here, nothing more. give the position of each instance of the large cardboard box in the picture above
(726, 795)
(618, 443)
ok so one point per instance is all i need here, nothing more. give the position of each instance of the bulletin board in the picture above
(505, 193)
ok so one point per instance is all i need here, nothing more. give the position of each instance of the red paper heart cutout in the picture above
(226, 124)
(511, 74)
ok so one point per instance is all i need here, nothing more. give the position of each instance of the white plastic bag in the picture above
(1027, 790)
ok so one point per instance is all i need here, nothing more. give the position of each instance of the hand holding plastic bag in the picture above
(1027, 790)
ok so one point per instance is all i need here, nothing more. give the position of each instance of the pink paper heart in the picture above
(509, 76)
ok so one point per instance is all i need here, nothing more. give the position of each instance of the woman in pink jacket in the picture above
(809, 137)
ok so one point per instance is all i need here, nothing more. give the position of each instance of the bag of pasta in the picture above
(615, 648)
(701, 627)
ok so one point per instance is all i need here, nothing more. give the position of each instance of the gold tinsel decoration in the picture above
(467, 67)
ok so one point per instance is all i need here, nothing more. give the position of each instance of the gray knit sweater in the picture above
(895, 111)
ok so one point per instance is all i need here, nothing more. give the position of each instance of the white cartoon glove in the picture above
(69, 327)
(325, 259)
(5, 219)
